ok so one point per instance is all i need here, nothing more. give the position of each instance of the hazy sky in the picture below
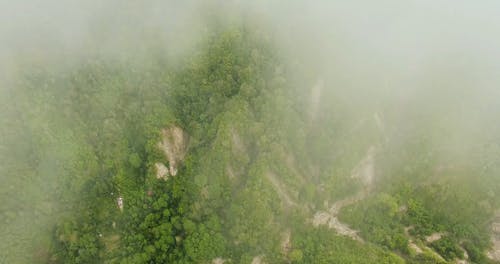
(389, 46)
(388, 31)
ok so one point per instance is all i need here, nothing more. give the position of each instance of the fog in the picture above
(419, 64)
(387, 41)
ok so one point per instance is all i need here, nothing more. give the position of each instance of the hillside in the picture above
(235, 153)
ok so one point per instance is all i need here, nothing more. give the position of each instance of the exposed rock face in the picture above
(174, 144)
(161, 171)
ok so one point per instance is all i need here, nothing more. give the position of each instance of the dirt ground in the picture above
(218, 261)
(257, 260)
(433, 237)
(161, 171)
(365, 172)
(174, 144)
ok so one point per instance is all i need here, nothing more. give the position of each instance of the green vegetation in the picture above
(258, 166)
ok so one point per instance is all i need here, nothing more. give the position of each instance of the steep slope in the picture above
(253, 171)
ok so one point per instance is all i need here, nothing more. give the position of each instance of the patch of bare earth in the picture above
(434, 237)
(466, 257)
(174, 144)
(411, 243)
(365, 172)
(423, 248)
(494, 252)
(258, 260)
(161, 171)
(331, 220)
(218, 261)
(414, 247)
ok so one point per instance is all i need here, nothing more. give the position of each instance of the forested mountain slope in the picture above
(230, 155)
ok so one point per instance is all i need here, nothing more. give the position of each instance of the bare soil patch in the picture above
(258, 260)
(423, 248)
(434, 237)
(411, 243)
(174, 144)
(218, 261)
(161, 171)
(365, 172)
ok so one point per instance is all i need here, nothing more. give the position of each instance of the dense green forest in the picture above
(235, 153)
